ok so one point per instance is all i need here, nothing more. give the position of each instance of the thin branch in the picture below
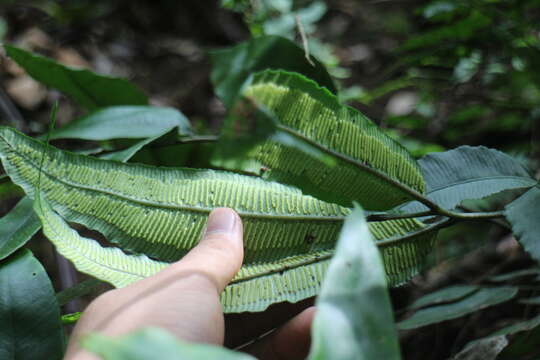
(305, 43)
(382, 216)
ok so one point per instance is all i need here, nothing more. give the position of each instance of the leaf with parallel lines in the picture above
(368, 163)
(161, 212)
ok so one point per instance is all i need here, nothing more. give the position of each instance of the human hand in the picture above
(184, 299)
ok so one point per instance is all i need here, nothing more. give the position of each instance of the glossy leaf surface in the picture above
(129, 122)
(17, 227)
(469, 173)
(475, 301)
(30, 326)
(524, 216)
(233, 66)
(89, 89)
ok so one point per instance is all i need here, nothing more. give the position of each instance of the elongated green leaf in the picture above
(89, 257)
(480, 299)
(17, 227)
(21, 223)
(354, 317)
(161, 212)
(524, 216)
(531, 301)
(85, 87)
(124, 122)
(371, 168)
(76, 291)
(447, 294)
(515, 275)
(8, 189)
(146, 343)
(469, 173)
(30, 326)
(233, 66)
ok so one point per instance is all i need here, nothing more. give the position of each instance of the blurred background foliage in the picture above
(434, 74)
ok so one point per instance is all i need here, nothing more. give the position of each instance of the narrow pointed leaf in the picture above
(126, 154)
(233, 66)
(8, 189)
(76, 291)
(85, 87)
(469, 173)
(146, 343)
(108, 264)
(127, 122)
(447, 294)
(478, 300)
(17, 227)
(354, 317)
(524, 216)
(161, 212)
(30, 326)
(371, 167)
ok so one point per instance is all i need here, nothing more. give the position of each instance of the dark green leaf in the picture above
(354, 315)
(458, 31)
(515, 275)
(447, 294)
(469, 173)
(17, 227)
(78, 290)
(480, 299)
(147, 343)
(128, 153)
(129, 122)
(8, 189)
(233, 66)
(531, 301)
(30, 326)
(493, 202)
(524, 216)
(85, 87)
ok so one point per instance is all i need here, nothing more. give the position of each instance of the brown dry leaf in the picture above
(26, 92)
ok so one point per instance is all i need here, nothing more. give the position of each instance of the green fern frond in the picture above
(311, 113)
(161, 213)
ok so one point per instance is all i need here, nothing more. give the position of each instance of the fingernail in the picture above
(221, 220)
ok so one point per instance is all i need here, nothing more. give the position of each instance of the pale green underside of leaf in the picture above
(312, 113)
(161, 212)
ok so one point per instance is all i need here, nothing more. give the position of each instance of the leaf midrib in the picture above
(205, 210)
(480, 179)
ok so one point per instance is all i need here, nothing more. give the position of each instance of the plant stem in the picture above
(382, 216)
(436, 226)
(435, 209)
